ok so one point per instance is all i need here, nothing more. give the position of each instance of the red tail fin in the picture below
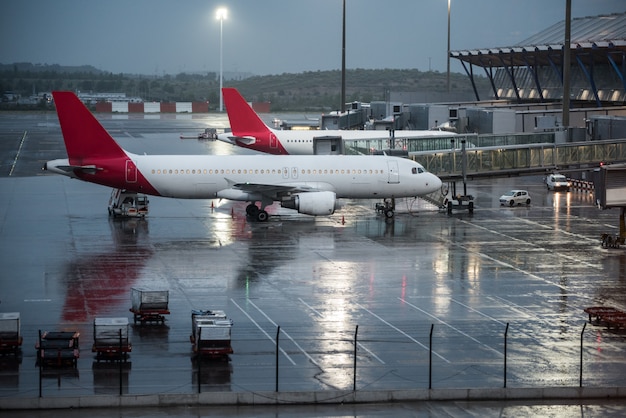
(83, 135)
(243, 119)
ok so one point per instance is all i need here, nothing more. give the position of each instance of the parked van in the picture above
(557, 182)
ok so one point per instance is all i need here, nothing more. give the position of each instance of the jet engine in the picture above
(312, 203)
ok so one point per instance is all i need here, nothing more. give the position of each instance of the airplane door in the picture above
(131, 172)
(286, 172)
(294, 172)
(394, 175)
(273, 141)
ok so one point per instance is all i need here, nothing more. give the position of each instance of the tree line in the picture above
(312, 90)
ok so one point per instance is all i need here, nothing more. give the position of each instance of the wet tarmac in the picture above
(430, 299)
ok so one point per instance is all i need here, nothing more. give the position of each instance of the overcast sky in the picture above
(269, 36)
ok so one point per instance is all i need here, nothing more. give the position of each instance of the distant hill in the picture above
(312, 90)
(39, 68)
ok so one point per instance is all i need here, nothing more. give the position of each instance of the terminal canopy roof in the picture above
(596, 41)
(595, 36)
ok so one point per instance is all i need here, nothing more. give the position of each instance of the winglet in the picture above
(83, 135)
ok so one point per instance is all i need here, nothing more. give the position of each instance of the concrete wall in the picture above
(323, 397)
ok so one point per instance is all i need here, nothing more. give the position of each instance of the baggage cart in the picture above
(149, 305)
(58, 348)
(10, 336)
(111, 338)
(211, 334)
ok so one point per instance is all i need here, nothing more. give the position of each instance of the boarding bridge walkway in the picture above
(515, 160)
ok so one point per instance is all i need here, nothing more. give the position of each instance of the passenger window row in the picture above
(264, 171)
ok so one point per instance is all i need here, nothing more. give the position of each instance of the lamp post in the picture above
(221, 15)
(448, 78)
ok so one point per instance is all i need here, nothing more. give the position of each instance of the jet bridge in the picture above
(518, 160)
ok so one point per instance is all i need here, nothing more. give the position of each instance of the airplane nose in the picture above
(434, 182)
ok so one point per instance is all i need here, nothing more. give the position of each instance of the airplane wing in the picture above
(268, 193)
(276, 190)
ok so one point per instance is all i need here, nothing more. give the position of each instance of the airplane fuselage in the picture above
(205, 176)
(249, 131)
(301, 142)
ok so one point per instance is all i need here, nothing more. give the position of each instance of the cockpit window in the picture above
(416, 170)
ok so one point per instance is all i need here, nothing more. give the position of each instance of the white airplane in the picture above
(309, 184)
(249, 131)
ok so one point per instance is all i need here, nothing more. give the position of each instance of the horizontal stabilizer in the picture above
(247, 140)
(88, 169)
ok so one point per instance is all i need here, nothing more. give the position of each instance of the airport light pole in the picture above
(221, 15)
(448, 78)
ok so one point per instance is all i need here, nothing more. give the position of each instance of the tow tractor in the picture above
(124, 203)
(209, 133)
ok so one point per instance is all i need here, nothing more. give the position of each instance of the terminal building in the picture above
(527, 86)
(532, 70)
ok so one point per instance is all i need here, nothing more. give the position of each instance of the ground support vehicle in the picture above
(460, 202)
(211, 334)
(209, 133)
(124, 203)
(58, 348)
(610, 192)
(10, 337)
(111, 338)
(149, 305)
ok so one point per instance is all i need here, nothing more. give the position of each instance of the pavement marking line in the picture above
(17, 155)
(318, 313)
(540, 341)
(371, 353)
(509, 237)
(358, 343)
(287, 335)
(478, 312)
(451, 327)
(401, 332)
(263, 331)
(502, 263)
(519, 308)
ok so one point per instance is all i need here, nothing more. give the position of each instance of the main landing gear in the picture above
(257, 214)
(387, 207)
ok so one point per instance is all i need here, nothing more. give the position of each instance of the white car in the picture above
(557, 182)
(515, 197)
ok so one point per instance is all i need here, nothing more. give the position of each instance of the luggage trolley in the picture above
(149, 305)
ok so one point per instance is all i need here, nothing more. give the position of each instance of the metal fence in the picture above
(531, 353)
